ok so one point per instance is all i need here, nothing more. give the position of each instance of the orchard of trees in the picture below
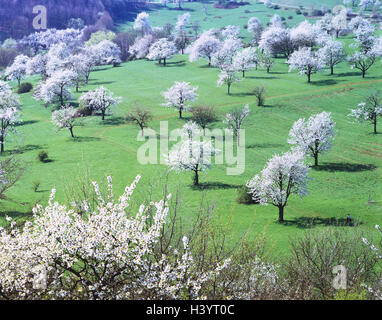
(91, 256)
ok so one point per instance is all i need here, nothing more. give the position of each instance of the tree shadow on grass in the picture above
(25, 123)
(114, 121)
(346, 74)
(180, 63)
(84, 139)
(264, 78)
(100, 83)
(309, 222)
(326, 82)
(215, 186)
(264, 145)
(22, 149)
(344, 167)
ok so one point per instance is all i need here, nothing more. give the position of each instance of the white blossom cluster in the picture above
(106, 254)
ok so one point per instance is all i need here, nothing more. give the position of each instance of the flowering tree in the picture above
(234, 120)
(204, 47)
(255, 27)
(277, 40)
(9, 113)
(191, 154)
(181, 38)
(18, 69)
(65, 118)
(266, 61)
(283, 176)
(339, 22)
(223, 58)
(331, 54)
(105, 52)
(228, 77)
(100, 99)
(231, 32)
(325, 23)
(244, 60)
(111, 254)
(362, 61)
(179, 95)
(305, 61)
(82, 64)
(369, 110)
(57, 58)
(38, 65)
(305, 35)
(57, 87)
(161, 50)
(142, 23)
(314, 136)
(141, 46)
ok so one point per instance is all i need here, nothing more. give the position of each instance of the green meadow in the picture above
(348, 176)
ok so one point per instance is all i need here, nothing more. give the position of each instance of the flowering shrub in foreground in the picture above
(104, 254)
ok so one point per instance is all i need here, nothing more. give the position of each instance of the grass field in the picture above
(347, 177)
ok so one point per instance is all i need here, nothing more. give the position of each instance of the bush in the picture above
(298, 12)
(290, 17)
(25, 87)
(84, 111)
(259, 92)
(244, 197)
(309, 268)
(43, 156)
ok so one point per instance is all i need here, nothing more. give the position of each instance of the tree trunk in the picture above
(209, 61)
(196, 178)
(308, 77)
(331, 70)
(281, 214)
(243, 73)
(315, 159)
(71, 132)
(2, 144)
(103, 114)
(228, 89)
(375, 124)
(363, 73)
(180, 113)
(164, 61)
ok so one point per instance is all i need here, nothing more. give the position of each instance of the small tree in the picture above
(204, 47)
(191, 154)
(313, 136)
(332, 54)
(362, 61)
(140, 117)
(9, 113)
(283, 176)
(179, 95)
(259, 93)
(305, 61)
(161, 50)
(18, 69)
(65, 118)
(228, 77)
(369, 110)
(100, 99)
(56, 88)
(266, 61)
(235, 118)
(203, 115)
(244, 60)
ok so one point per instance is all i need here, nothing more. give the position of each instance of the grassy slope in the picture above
(348, 175)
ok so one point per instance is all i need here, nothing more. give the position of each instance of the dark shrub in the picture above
(25, 87)
(84, 111)
(244, 197)
(298, 12)
(43, 156)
